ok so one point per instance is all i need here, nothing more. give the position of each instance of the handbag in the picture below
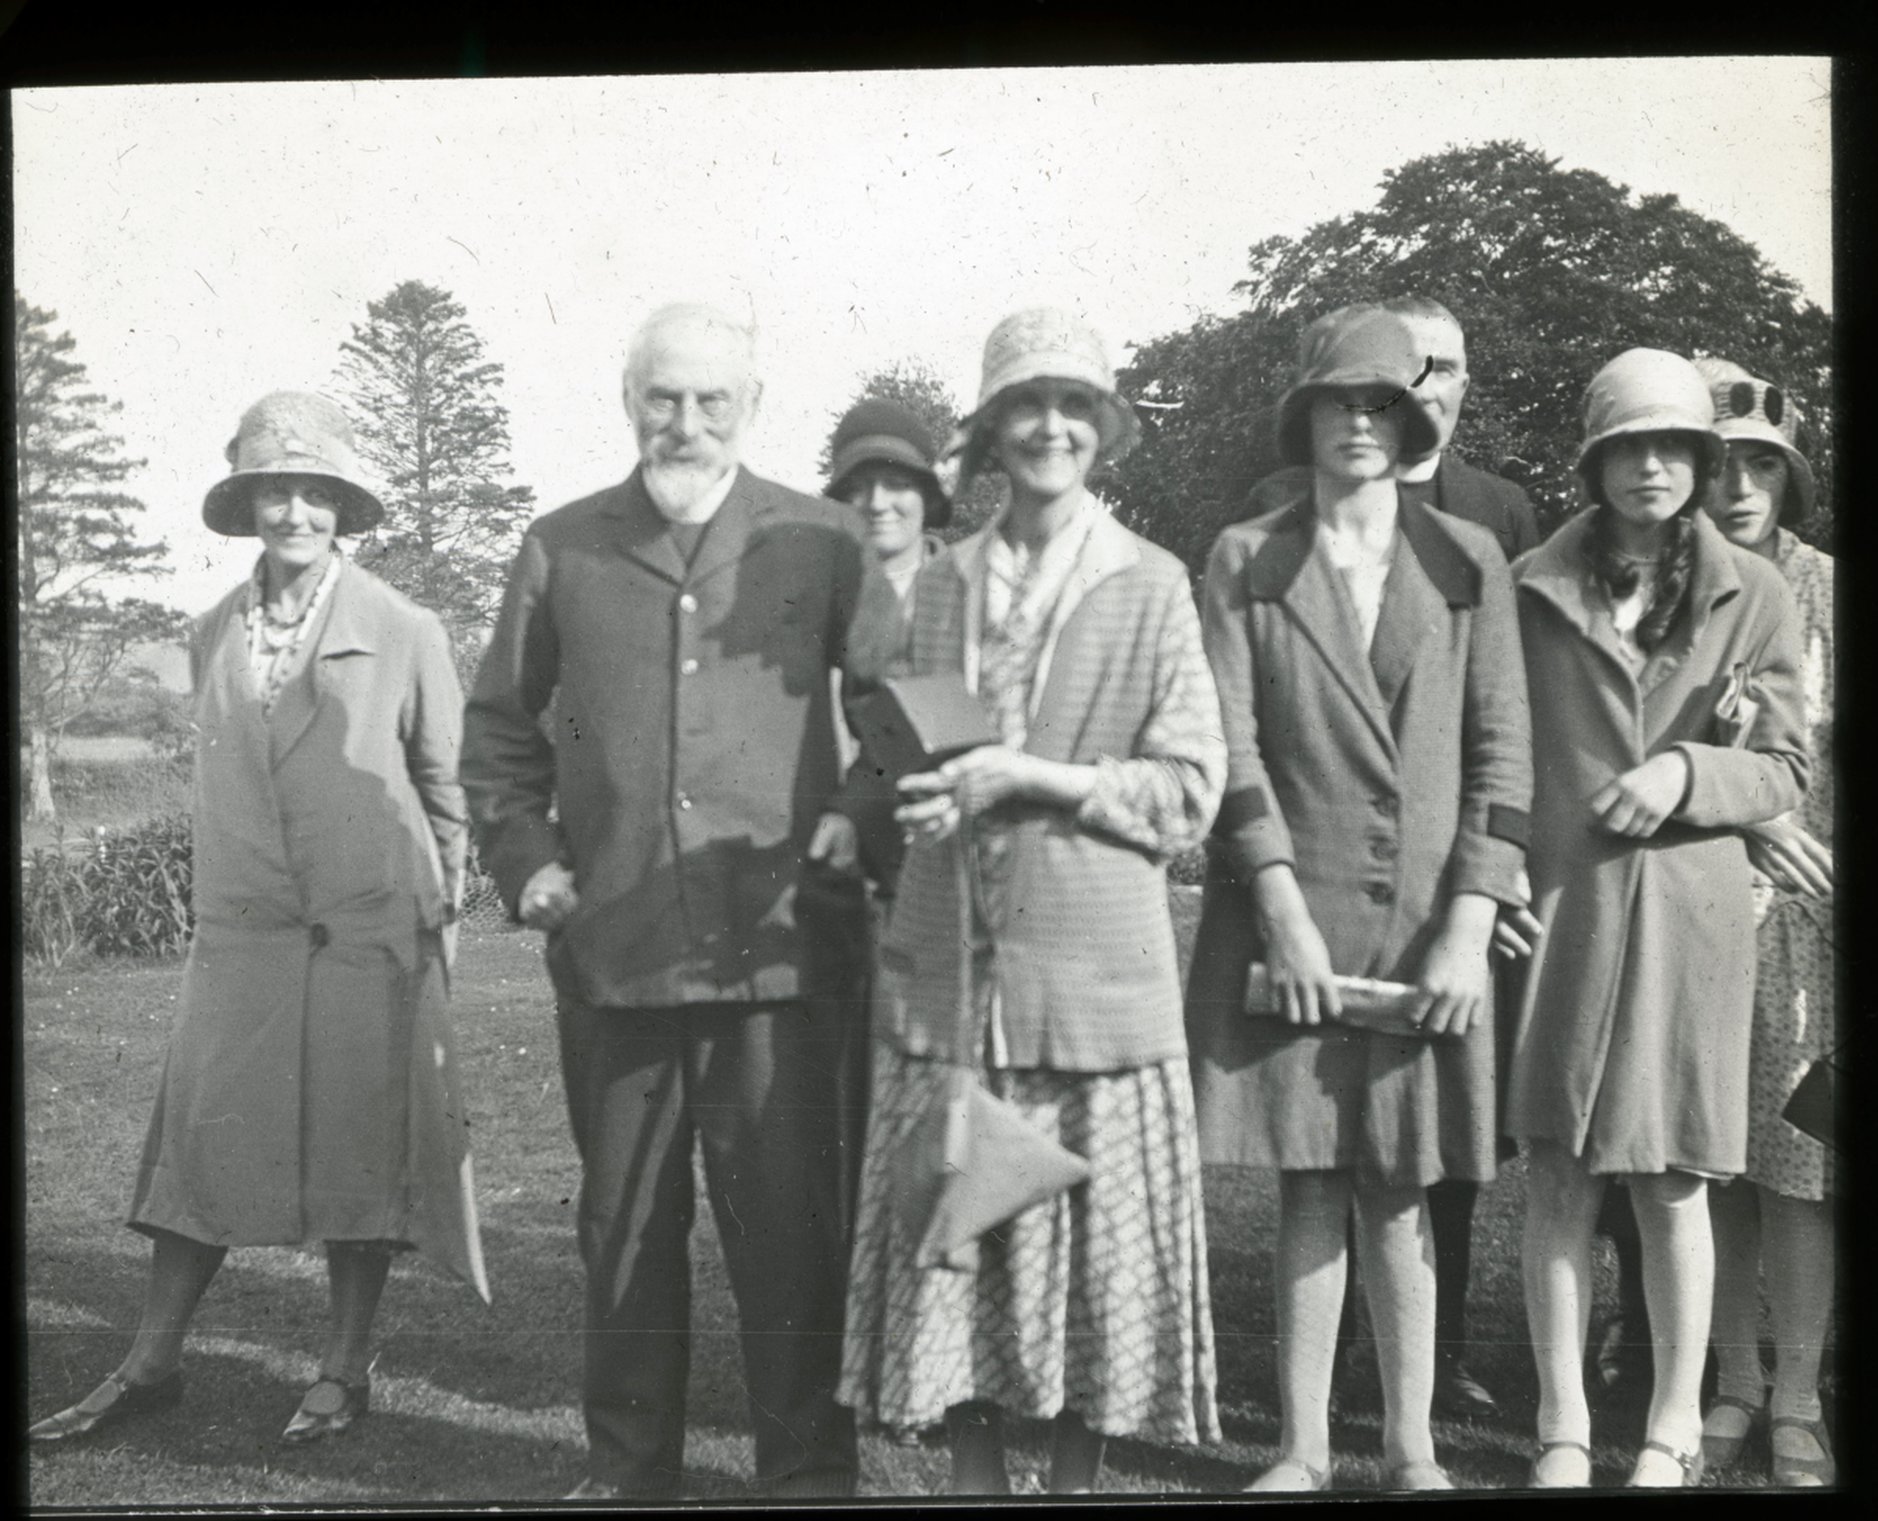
(971, 1161)
(1813, 1107)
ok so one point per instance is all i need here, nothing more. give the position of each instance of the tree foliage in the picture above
(424, 403)
(78, 538)
(914, 385)
(1551, 271)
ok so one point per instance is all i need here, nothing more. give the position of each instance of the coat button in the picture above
(1385, 803)
(687, 603)
(684, 801)
(1384, 850)
(320, 936)
(1380, 892)
(688, 667)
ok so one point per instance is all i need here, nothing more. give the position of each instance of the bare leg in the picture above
(1399, 1273)
(1679, 1283)
(180, 1272)
(1734, 1214)
(1313, 1263)
(1075, 1456)
(1562, 1199)
(356, 1272)
(977, 1432)
(1798, 1246)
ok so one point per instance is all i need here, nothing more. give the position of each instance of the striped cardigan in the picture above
(1084, 956)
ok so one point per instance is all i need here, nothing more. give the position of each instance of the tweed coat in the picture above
(694, 744)
(310, 1090)
(1389, 781)
(1084, 957)
(1632, 1044)
(1462, 490)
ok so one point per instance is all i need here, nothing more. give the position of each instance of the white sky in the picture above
(206, 244)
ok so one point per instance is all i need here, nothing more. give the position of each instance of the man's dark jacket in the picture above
(693, 744)
(1492, 501)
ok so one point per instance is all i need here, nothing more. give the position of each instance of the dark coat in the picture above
(1389, 781)
(1632, 1045)
(693, 746)
(310, 1090)
(1461, 490)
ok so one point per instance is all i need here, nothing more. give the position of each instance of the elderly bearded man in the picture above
(685, 623)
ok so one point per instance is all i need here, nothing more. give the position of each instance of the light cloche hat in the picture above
(1039, 342)
(292, 433)
(1648, 391)
(1749, 408)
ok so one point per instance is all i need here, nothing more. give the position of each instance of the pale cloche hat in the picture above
(1649, 391)
(1749, 408)
(1039, 342)
(292, 433)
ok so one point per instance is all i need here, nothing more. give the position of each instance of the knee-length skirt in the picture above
(1095, 1302)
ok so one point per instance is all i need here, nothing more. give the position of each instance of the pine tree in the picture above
(424, 405)
(77, 536)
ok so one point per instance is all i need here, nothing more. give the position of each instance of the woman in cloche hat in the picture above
(310, 1092)
(1779, 1213)
(1663, 663)
(1030, 945)
(1378, 778)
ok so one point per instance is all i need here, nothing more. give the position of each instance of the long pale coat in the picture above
(310, 1090)
(1389, 781)
(1632, 1043)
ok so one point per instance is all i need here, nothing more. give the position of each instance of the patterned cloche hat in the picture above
(1030, 345)
(292, 433)
(1749, 408)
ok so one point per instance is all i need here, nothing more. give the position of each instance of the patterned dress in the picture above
(1794, 1016)
(1095, 1302)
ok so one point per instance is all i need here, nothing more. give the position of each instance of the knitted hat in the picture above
(291, 433)
(1034, 344)
(1355, 346)
(1648, 391)
(1749, 408)
(884, 432)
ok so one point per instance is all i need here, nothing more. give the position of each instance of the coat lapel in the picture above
(1430, 575)
(344, 632)
(1288, 568)
(1556, 573)
(640, 530)
(1713, 579)
(725, 543)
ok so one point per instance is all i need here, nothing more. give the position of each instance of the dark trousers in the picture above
(759, 1085)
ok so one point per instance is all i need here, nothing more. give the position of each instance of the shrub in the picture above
(1188, 869)
(126, 894)
(137, 883)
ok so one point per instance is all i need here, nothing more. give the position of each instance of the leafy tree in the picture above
(913, 384)
(424, 403)
(1551, 272)
(77, 536)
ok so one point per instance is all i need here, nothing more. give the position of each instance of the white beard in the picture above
(677, 488)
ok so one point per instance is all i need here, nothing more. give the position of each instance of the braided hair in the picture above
(1619, 575)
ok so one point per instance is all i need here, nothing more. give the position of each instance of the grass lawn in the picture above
(480, 1404)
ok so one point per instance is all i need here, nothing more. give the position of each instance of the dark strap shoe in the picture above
(327, 1409)
(114, 1401)
(1459, 1396)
